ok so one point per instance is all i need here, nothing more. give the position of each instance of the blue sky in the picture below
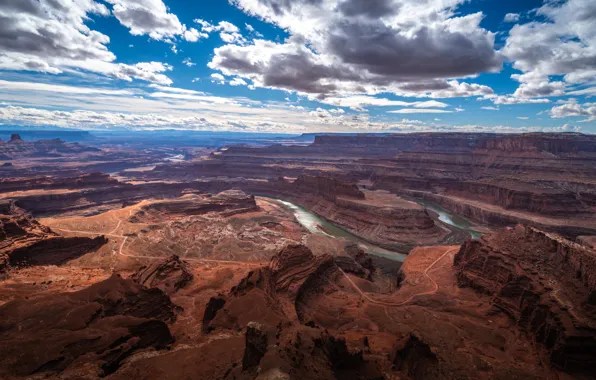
(300, 66)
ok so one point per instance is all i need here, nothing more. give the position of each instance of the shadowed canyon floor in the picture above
(201, 269)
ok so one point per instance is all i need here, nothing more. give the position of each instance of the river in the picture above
(321, 226)
(450, 219)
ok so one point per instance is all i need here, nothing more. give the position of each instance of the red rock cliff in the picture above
(546, 284)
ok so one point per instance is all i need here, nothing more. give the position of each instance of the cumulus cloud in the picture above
(52, 36)
(228, 32)
(573, 108)
(152, 18)
(511, 17)
(352, 47)
(562, 42)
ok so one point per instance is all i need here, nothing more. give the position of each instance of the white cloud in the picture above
(523, 117)
(169, 107)
(511, 17)
(218, 78)
(508, 100)
(419, 110)
(350, 47)
(53, 37)
(228, 32)
(238, 82)
(573, 108)
(188, 62)
(59, 89)
(358, 102)
(152, 18)
(193, 35)
(490, 108)
(561, 42)
(175, 90)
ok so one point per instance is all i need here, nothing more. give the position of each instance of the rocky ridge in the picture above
(527, 272)
(98, 326)
(169, 275)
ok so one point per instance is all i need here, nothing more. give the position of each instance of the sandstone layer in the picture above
(545, 283)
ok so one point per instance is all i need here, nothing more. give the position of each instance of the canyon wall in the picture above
(528, 142)
(545, 283)
(391, 226)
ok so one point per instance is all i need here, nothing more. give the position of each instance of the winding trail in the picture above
(125, 238)
(390, 304)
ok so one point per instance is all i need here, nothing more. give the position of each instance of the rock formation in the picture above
(100, 325)
(168, 276)
(545, 283)
(539, 179)
(15, 138)
(256, 345)
(412, 356)
(24, 241)
(279, 291)
(378, 217)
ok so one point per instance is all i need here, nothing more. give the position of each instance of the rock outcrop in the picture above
(100, 325)
(17, 148)
(412, 356)
(256, 345)
(15, 138)
(24, 241)
(277, 292)
(545, 283)
(169, 275)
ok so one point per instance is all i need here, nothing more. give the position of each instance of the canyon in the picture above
(120, 262)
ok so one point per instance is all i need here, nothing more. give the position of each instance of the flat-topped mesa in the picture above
(555, 143)
(545, 283)
(410, 141)
(329, 188)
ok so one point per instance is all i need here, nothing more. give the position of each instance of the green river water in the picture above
(318, 225)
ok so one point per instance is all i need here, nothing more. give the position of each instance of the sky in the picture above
(300, 66)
